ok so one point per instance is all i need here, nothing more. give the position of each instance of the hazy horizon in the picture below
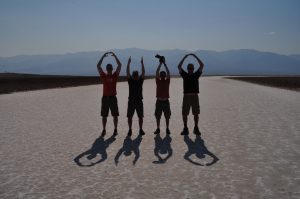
(57, 27)
(226, 62)
(106, 50)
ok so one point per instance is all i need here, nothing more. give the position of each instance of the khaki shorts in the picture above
(188, 102)
(109, 102)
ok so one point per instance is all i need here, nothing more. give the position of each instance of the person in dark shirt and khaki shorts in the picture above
(162, 94)
(190, 90)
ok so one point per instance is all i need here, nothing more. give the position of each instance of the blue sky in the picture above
(56, 26)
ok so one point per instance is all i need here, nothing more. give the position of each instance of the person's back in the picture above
(135, 88)
(191, 81)
(162, 88)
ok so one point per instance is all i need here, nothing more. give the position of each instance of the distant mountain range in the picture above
(231, 62)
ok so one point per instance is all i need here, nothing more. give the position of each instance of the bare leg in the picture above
(141, 126)
(185, 120)
(130, 122)
(158, 122)
(196, 120)
(104, 121)
(116, 122)
(141, 122)
(157, 131)
(167, 122)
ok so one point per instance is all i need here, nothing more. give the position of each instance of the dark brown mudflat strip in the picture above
(10, 82)
(286, 82)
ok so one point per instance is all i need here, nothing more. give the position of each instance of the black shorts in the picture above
(162, 106)
(188, 102)
(136, 104)
(109, 102)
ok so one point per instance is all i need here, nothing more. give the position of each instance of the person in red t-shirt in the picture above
(162, 95)
(109, 99)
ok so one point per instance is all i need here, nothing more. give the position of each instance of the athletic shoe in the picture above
(168, 131)
(185, 131)
(197, 131)
(129, 132)
(157, 131)
(115, 132)
(103, 133)
(142, 132)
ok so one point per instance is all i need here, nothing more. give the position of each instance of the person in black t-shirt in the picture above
(135, 99)
(190, 90)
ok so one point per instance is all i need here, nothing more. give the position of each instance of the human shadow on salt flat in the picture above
(198, 148)
(128, 147)
(162, 147)
(99, 147)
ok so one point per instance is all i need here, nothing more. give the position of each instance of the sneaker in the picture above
(168, 131)
(196, 131)
(185, 131)
(157, 131)
(115, 132)
(103, 133)
(142, 132)
(129, 132)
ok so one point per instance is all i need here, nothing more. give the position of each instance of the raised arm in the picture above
(200, 62)
(77, 159)
(118, 62)
(187, 157)
(168, 71)
(181, 62)
(103, 158)
(137, 155)
(215, 159)
(143, 68)
(118, 156)
(170, 152)
(158, 69)
(128, 68)
(99, 67)
(110, 140)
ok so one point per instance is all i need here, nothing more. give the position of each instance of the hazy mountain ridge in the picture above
(230, 62)
(295, 57)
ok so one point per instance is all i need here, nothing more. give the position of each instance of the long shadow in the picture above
(99, 147)
(198, 148)
(162, 146)
(128, 147)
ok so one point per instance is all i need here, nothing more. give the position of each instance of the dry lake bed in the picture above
(253, 130)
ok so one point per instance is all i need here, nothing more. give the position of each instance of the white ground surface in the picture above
(252, 129)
